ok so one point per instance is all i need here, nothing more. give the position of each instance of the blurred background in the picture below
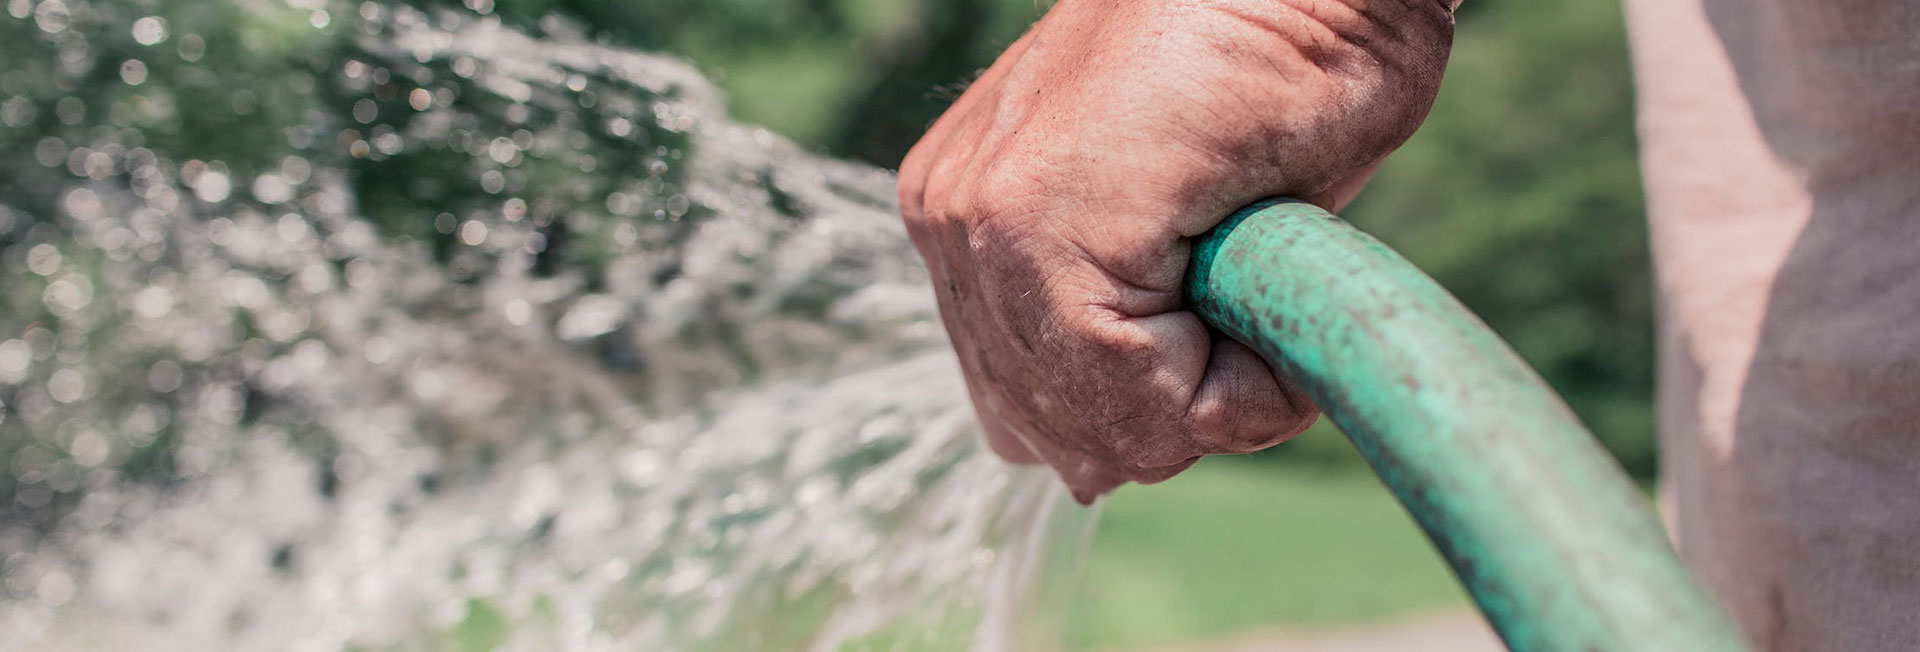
(1521, 195)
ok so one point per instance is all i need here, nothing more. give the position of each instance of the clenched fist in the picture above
(1054, 200)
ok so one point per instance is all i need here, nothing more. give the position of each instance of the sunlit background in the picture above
(284, 220)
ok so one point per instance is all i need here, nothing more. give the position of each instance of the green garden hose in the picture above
(1555, 544)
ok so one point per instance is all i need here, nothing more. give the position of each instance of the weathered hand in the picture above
(1054, 200)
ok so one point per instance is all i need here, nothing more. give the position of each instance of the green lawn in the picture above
(1234, 545)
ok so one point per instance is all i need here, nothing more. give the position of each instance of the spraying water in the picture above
(357, 327)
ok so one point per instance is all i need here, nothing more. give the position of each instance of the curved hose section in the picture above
(1559, 549)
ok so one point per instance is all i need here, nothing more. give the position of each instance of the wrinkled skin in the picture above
(1054, 200)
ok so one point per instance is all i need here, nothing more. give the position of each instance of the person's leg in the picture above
(1781, 147)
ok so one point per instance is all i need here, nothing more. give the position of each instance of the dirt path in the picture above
(1448, 632)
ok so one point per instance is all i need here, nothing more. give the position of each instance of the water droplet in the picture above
(68, 295)
(16, 357)
(43, 259)
(615, 570)
(50, 151)
(243, 290)
(52, 16)
(625, 234)
(77, 161)
(292, 228)
(473, 232)
(153, 302)
(592, 315)
(164, 376)
(70, 110)
(67, 386)
(82, 204)
(620, 203)
(319, 19)
(502, 151)
(97, 165)
(420, 99)
(192, 47)
(133, 72)
(364, 111)
(518, 312)
(151, 30)
(212, 186)
(89, 449)
(244, 102)
(389, 143)
(377, 350)
(55, 588)
(316, 278)
(271, 188)
(17, 112)
(296, 169)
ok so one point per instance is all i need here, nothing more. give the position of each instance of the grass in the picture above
(1234, 545)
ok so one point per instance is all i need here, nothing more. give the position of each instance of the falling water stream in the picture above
(334, 326)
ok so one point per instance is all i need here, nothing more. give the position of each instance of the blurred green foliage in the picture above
(1521, 194)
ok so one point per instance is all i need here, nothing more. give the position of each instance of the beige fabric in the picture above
(1781, 141)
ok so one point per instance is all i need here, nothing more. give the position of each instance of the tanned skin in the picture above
(1054, 201)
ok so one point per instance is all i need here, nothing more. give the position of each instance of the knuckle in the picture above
(911, 194)
(996, 196)
(912, 190)
(1128, 348)
(912, 181)
(919, 229)
(1001, 184)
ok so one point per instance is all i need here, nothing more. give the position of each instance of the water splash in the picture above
(334, 326)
